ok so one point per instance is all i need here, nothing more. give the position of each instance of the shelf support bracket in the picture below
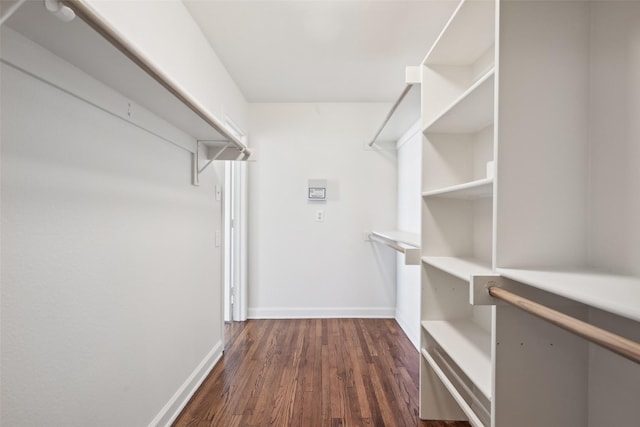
(197, 170)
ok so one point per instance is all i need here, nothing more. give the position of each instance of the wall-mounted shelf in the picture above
(404, 112)
(93, 45)
(402, 241)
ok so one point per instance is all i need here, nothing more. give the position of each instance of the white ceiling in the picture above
(320, 50)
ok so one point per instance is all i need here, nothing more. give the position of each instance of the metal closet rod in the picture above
(386, 242)
(620, 345)
(85, 12)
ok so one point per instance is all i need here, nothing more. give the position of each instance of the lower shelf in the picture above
(474, 420)
(468, 345)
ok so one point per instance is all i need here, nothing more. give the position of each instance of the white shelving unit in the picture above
(545, 91)
(458, 84)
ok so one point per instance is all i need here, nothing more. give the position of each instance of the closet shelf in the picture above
(472, 111)
(478, 189)
(468, 345)
(404, 113)
(474, 420)
(93, 45)
(468, 34)
(609, 292)
(462, 268)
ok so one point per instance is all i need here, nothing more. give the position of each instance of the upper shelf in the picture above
(467, 36)
(94, 46)
(609, 292)
(404, 113)
(472, 111)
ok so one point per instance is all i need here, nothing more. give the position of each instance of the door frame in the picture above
(235, 235)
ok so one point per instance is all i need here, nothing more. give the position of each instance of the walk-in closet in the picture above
(320, 213)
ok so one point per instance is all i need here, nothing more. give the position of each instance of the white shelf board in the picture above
(609, 292)
(472, 111)
(462, 268)
(446, 381)
(80, 45)
(478, 189)
(404, 237)
(469, 33)
(468, 345)
(404, 114)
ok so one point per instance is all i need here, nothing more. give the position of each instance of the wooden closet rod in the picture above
(84, 11)
(620, 345)
(388, 243)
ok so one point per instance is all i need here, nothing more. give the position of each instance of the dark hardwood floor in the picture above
(312, 373)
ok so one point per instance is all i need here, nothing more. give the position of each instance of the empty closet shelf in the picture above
(468, 345)
(93, 44)
(462, 268)
(468, 113)
(474, 420)
(403, 114)
(478, 189)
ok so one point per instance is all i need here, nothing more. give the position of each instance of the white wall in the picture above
(110, 281)
(409, 204)
(302, 268)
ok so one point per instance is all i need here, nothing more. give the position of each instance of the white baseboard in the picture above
(179, 400)
(321, 313)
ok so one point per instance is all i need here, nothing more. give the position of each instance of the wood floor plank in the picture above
(311, 373)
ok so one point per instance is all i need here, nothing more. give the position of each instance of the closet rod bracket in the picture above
(210, 156)
(479, 289)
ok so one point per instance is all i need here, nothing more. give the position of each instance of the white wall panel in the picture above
(110, 276)
(302, 268)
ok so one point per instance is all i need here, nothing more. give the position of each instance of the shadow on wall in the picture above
(387, 270)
